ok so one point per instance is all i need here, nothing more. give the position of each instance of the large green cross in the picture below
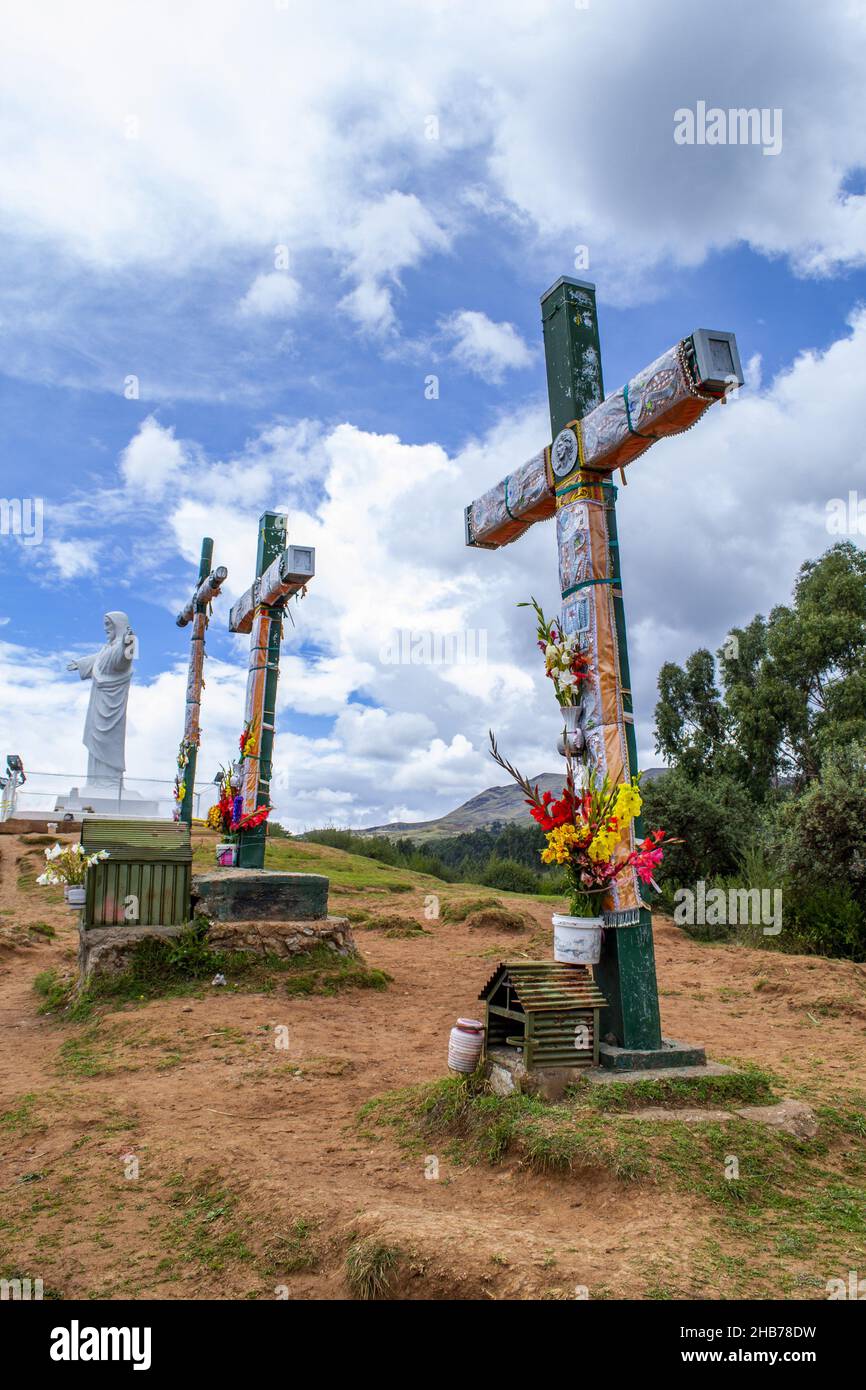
(281, 571)
(196, 612)
(570, 479)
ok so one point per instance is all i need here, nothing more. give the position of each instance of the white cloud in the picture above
(713, 526)
(295, 124)
(388, 236)
(486, 348)
(152, 460)
(73, 558)
(271, 296)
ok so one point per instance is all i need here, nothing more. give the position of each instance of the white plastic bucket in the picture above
(227, 855)
(75, 894)
(465, 1044)
(577, 940)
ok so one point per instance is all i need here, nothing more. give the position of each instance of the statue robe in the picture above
(110, 671)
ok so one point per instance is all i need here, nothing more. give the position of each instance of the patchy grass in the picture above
(750, 1086)
(774, 1197)
(187, 965)
(459, 909)
(206, 1230)
(395, 925)
(496, 919)
(371, 1268)
(292, 1251)
(20, 1117)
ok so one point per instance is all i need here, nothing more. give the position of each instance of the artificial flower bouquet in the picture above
(566, 657)
(68, 865)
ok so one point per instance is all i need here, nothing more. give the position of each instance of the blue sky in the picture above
(251, 218)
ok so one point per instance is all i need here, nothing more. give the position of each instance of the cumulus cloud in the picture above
(310, 119)
(388, 236)
(271, 296)
(73, 558)
(486, 348)
(153, 459)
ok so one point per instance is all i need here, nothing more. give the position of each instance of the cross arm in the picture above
(665, 398)
(206, 592)
(290, 571)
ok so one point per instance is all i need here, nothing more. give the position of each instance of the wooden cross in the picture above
(570, 479)
(281, 571)
(196, 612)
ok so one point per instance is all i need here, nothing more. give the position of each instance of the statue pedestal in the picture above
(99, 800)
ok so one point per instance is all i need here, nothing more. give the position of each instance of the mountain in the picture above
(502, 804)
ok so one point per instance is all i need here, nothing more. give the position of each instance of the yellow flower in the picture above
(628, 804)
(603, 845)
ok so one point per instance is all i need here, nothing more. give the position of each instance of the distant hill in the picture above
(497, 804)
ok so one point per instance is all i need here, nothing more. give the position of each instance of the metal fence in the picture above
(44, 794)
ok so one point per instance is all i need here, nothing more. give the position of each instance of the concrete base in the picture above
(604, 1076)
(99, 801)
(670, 1054)
(259, 895)
(106, 951)
(507, 1075)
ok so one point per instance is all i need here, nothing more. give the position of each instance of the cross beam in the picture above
(196, 612)
(570, 479)
(281, 571)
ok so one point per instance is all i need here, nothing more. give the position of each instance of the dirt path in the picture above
(198, 1092)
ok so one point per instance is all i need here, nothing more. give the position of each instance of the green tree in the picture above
(793, 685)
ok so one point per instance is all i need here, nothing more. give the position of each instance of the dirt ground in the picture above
(242, 1146)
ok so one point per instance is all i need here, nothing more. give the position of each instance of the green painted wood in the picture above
(572, 351)
(251, 843)
(186, 806)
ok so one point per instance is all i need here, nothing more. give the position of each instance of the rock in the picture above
(791, 1116)
(109, 950)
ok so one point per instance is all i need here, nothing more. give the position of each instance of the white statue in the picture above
(110, 670)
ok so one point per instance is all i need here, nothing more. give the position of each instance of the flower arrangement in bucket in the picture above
(227, 816)
(68, 865)
(588, 827)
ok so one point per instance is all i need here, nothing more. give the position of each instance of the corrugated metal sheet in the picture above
(546, 985)
(147, 879)
(140, 840)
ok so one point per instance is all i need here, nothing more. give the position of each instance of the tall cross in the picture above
(281, 571)
(570, 479)
(196, 612)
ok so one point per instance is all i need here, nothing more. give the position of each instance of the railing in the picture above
(44, 794)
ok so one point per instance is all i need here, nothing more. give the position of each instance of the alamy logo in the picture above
(739, 125)
(22, 517)
(77, 1343)
(855, 1287)
(405, 647)
(21, 1290)
(714, 907)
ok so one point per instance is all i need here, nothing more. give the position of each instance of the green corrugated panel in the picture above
(140, 840)
(162, 889)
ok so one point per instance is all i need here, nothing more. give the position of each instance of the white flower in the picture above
(53, 852)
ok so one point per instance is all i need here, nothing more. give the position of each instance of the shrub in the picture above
(715, 817)
(509, 876)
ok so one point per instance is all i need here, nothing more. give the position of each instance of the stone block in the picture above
(259, 895)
